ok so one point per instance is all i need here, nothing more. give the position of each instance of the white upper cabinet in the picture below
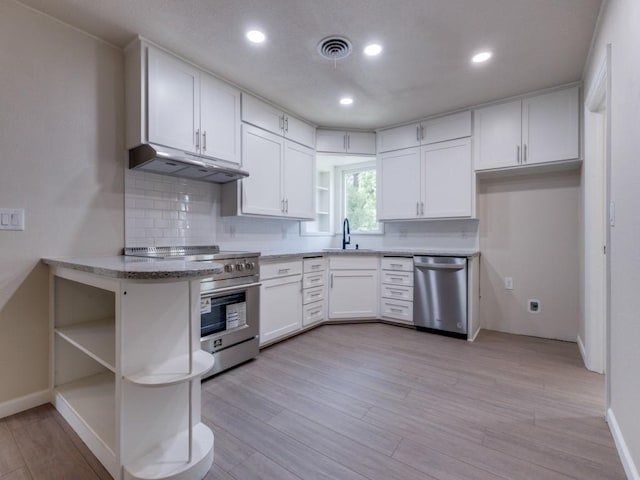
(399, 184)
(449, 127)
(268, 117)
(220, 119)
(432, 181)
(550, 126)
(539, 129)
(447, 179)
(173, 106)
(497, 135)
(281, 183)
(335, 141)
(173, 103)
(299, 181)
(263, 156)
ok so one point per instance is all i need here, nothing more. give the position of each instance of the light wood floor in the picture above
(371, 402)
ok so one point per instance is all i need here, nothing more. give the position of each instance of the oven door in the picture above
(229, 316)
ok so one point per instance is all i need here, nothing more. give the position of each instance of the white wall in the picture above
(61, 141)
(530, 231)
(619, 27)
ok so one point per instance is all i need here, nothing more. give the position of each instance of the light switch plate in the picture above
(11, 218)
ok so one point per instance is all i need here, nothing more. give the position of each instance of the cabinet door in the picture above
(173, 109)
(299, 181)
(446, 128)
(353, 294)
(262, 157)
(280, 307)
(399, 184)
(362, 143)
(299, 131)
(331, 141)
(399, 137)
(219, 119)
(550, 126)
(447, 178)
(261, 114)
(497, 135)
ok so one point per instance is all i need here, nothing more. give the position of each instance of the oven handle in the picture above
(216, 291)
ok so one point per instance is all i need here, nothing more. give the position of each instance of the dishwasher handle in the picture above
(440, 266)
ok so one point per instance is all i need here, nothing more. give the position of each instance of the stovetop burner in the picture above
(239, 267)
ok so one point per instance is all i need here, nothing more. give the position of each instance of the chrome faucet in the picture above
(345, 232)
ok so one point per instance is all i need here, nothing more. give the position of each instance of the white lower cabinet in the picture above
(124, 350)
(314, 297)
(396, 289)
(353, 287)
(280, 300)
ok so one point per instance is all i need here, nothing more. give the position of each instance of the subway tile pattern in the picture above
(162, 210)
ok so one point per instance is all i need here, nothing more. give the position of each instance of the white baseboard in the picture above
(583, 352)
(475, 335)
(20, 404)
(630, 467)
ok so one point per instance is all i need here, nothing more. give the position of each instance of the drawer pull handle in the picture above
(395, 310)
(315, 266)
(396, 292)
(396, 265)
(315, 312)
(315, 295)
(283, 270)
(397, 278)
(315, 279)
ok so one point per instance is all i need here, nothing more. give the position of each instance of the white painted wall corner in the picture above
(583, 352)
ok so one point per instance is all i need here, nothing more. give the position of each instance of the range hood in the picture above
(169, 161)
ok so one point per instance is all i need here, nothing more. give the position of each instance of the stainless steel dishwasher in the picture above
(440, 295)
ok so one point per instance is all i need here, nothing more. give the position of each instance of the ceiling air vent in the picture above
(334, 47)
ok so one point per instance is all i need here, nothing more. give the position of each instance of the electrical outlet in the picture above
(534, 305)
(508, 283)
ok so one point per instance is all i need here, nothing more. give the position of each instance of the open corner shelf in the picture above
(92, 400)
(96, 339)
(174, 371)
(170, 459)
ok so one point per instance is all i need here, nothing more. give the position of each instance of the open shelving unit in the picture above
(123, 351)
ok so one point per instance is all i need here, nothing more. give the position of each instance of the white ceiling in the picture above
(424, 69)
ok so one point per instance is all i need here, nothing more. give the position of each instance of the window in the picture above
(358, 199)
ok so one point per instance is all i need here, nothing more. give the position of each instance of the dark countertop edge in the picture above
(397, 253)
(124, 274)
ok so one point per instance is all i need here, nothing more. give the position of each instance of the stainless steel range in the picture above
(229, 303)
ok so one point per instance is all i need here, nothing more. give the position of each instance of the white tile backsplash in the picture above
(162, 210)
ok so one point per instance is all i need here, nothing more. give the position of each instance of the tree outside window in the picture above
(359, 187)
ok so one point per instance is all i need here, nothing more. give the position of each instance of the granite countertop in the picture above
(401, 252)
(136, 268)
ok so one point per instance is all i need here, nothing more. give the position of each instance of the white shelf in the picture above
(97, 339)
(93, 400)
(170, 459)
(324, 189)
(175, 370)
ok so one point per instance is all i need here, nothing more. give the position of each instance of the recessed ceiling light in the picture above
(373, 49)
(346, 101)
(481, 57)
(256, 36)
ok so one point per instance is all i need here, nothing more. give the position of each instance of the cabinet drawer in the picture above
(397, 263)
(313, 280)
(314, 264)
(397, 278)
(353, 262)
(397, 292)
(397, 310)
(280, 269)
(311, 295)
(314, 312)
